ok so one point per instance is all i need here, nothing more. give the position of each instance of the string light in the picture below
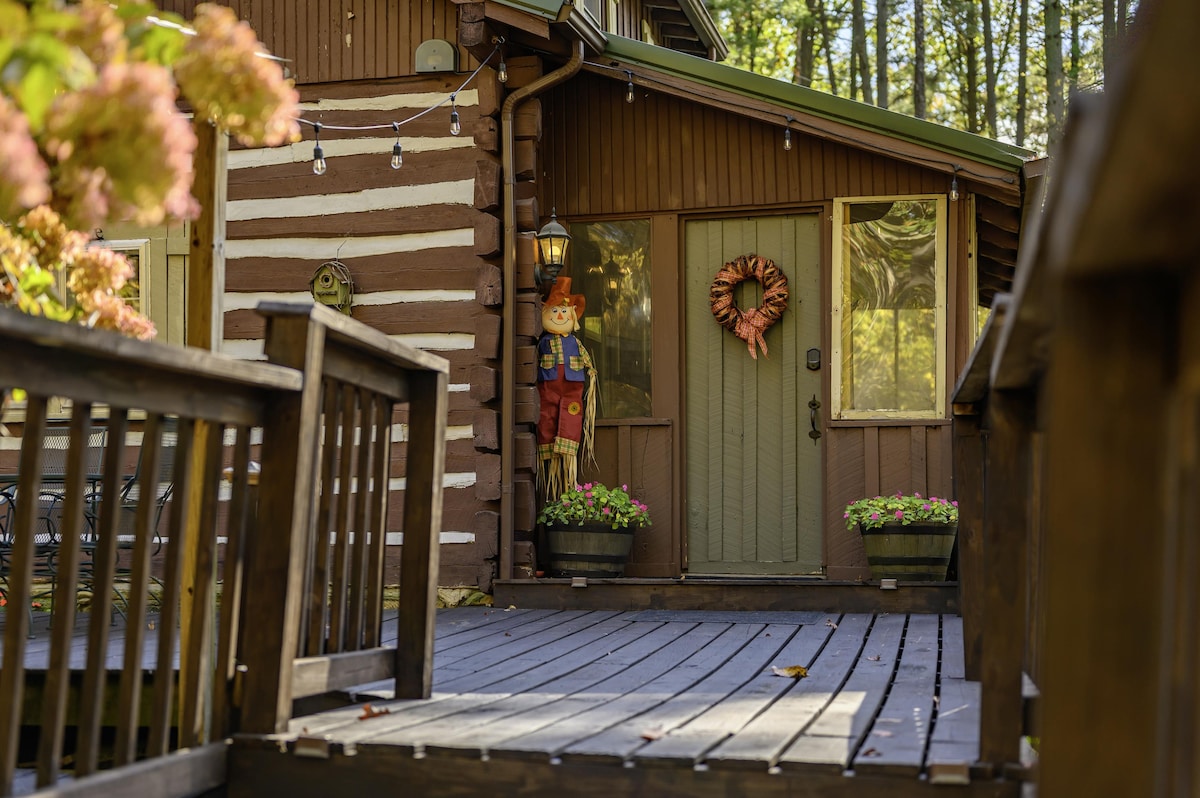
(787, 135)
(629, 96)
(319, 165)
(397, 150)
(954, 186)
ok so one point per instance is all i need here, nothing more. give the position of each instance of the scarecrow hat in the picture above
(561, 294)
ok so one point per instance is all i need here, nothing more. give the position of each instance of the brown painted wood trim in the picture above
(194, 771)
(865, 423)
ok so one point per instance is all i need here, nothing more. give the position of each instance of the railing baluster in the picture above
(378, 527)
(318, 592)
(337, 609)
(54, 703)
(139, 596)
(164, 675)
(358, 560)
(228, 643)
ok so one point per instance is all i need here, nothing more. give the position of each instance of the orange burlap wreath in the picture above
(749, 325)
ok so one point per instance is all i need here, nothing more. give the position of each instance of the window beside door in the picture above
(610, 266)
(889, 307)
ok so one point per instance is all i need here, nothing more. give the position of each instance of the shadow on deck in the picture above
(652, 702)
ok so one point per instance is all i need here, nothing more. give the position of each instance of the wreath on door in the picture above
(749, 325)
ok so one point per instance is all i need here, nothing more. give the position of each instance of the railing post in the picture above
(1010, 422)
(969, 453)
(422, 528)
(275, 573)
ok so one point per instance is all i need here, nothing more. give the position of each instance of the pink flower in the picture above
(917, 495)
(874, 516)
(954, 503)
(590, 503)
(606, 511)
(624, 487)
(899, 513)
(925, 507)
(846, 515)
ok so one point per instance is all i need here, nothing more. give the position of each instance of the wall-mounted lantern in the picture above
(552, 242)
(332, 285)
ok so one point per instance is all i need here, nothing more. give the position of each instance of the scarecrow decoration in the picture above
(567, 389)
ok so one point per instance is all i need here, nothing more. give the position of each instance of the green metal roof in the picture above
(788, 96)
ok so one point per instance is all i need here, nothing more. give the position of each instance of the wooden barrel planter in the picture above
(915, 553)
(591, 549)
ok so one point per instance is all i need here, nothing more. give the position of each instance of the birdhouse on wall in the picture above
(331, 285)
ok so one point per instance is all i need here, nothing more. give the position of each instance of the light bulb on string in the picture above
(319, 164)
(455, 127)
(629, 95)
(787, 135)
(502, 72)
(397, 150)
(954, 186)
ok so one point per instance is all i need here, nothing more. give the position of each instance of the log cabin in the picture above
(617, 119)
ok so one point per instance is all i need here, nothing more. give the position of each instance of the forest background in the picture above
(1002, 68)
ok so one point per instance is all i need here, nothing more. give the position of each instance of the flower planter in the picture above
(917, 552)
(591, 549)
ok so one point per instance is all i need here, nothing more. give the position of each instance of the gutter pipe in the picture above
(508, 319)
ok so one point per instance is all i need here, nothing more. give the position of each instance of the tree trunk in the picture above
(1108, 29)
(859, 66)
(971, 49)
(1022, 67)
(919, 104)
(881, 53)
(989, 67)
(1054, 74)
(1074, 61)
(806, 45)
(827, 46)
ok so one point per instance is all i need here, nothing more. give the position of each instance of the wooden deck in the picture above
(653, 702)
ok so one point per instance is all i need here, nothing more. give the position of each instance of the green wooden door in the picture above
(753, 471)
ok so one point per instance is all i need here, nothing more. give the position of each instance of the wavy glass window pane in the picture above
(610, 266)
(889, 295)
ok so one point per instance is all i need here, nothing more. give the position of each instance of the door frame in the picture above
(824, 211)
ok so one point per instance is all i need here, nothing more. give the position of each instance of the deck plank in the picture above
(686, 746)
(897, 740)
(673, 669)
(514, 670)
(831, 740)
(759, 744)
(478, 730)
(620, 742)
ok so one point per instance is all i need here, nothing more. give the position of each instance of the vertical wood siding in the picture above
(662, 153)
(333, 40)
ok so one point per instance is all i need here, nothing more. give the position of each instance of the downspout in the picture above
(508, 337)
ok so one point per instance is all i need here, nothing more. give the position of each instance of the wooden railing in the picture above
(301, 566)
(997, 450)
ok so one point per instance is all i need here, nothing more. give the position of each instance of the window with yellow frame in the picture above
(889, 307)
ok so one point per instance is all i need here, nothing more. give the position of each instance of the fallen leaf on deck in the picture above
(889, 720)
(371, 712)
(791, 671)
(510, 607)
(830, 624)
(508, 634)
(870, 752)
(653, 733)
(882, 733)
(873, 658)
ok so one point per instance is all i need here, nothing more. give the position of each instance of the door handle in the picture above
(813, 407)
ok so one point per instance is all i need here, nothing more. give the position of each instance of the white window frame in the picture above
(141, 248)
(839, 274)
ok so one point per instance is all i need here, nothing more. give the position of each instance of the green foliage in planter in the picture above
(901, 509)
(596, 502)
